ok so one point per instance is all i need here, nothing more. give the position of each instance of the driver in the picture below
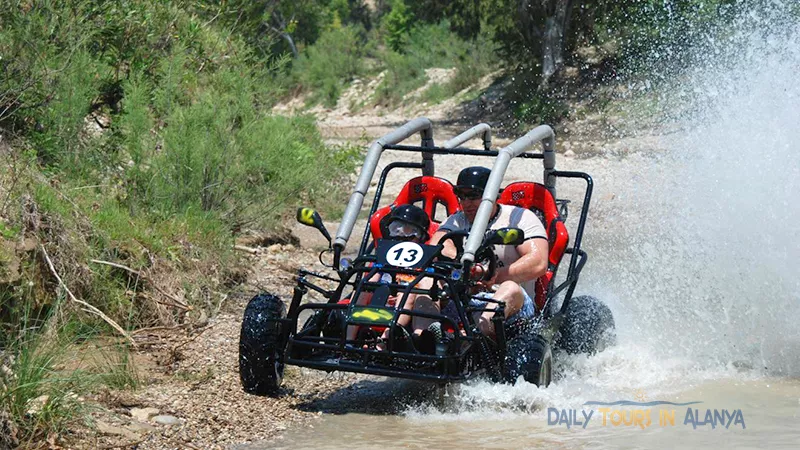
(518, 267)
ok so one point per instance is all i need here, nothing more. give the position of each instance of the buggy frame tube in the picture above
(419, 125)
(576, 248)
(542, 133)
(457, 151)
(482, 129)
(379, 192)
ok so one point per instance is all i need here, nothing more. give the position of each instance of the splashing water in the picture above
(697, 252)
(695, 247)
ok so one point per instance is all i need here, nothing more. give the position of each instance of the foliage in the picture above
(327, 66)
(433, 45)
(397, 25)
(47, 368)
(152, 144)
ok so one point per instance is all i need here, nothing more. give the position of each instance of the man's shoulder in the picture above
(454, 222)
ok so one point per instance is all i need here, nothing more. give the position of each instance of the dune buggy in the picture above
(389, 271)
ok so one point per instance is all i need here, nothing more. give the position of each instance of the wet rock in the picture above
(569, 154)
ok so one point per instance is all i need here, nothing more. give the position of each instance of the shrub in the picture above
(434, 45)
(397, 25)
(328, 65)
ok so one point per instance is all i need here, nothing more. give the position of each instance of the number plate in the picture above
(404, 254)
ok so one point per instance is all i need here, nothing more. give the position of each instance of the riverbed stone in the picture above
(143, 414)
(166, 420)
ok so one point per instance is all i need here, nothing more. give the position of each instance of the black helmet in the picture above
(406, 222)
(474, 177)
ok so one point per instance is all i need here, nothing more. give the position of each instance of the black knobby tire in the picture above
(529, 355)
(260, 347)
(588, 326)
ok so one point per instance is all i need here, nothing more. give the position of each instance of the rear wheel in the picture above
(529, 355)
(588, 326)
(260, 347)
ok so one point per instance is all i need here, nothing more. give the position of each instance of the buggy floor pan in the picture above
(424, 367)
(347, 365)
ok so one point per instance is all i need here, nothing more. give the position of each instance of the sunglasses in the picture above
(471, 194)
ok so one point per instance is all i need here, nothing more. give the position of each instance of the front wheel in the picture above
(529, 355)
(260, 347)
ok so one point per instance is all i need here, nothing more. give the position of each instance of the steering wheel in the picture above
(485, 255)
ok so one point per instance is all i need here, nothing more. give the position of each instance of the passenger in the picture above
(404, 223)
(518, 266)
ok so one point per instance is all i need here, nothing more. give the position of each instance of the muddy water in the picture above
(695, 247)
(769, 409)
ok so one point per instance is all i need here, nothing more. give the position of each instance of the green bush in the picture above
(434, 45)
(51, 369)
(328, 65)
(397, 26)
(189, 152)
(402, 75)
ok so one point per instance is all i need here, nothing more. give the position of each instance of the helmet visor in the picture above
(404, 230)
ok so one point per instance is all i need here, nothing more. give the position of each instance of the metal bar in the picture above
(379, 192)
(542, 133)
(376, 371)
(576, 248)
(483, 129)
(420, 125)
(325, 293)
(459, 151)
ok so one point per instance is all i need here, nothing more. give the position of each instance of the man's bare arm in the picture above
(531, 265)
(449, 249)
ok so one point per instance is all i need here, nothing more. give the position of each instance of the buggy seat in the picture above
(537, 198)
(425, 192)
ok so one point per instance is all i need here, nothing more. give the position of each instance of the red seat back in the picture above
(537, 198)
(425, 192)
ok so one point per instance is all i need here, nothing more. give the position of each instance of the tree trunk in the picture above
(290, 41)
(543, 25)
(280, 29)
(553, 36)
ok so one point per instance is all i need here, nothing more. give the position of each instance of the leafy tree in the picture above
(527, 30)
(272, 26)
(397, 25)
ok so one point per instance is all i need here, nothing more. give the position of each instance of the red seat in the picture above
(425, 192)
(537, 198)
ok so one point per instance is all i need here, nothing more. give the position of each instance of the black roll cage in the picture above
(357, 274)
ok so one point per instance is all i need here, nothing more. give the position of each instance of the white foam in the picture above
(697, 254)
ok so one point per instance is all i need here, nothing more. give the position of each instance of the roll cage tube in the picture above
(542, 133)
(419, 125)
(482, 129)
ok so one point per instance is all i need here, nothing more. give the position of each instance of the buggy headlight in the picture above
(456, 274)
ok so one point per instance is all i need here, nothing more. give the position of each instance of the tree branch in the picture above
(87, 307)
